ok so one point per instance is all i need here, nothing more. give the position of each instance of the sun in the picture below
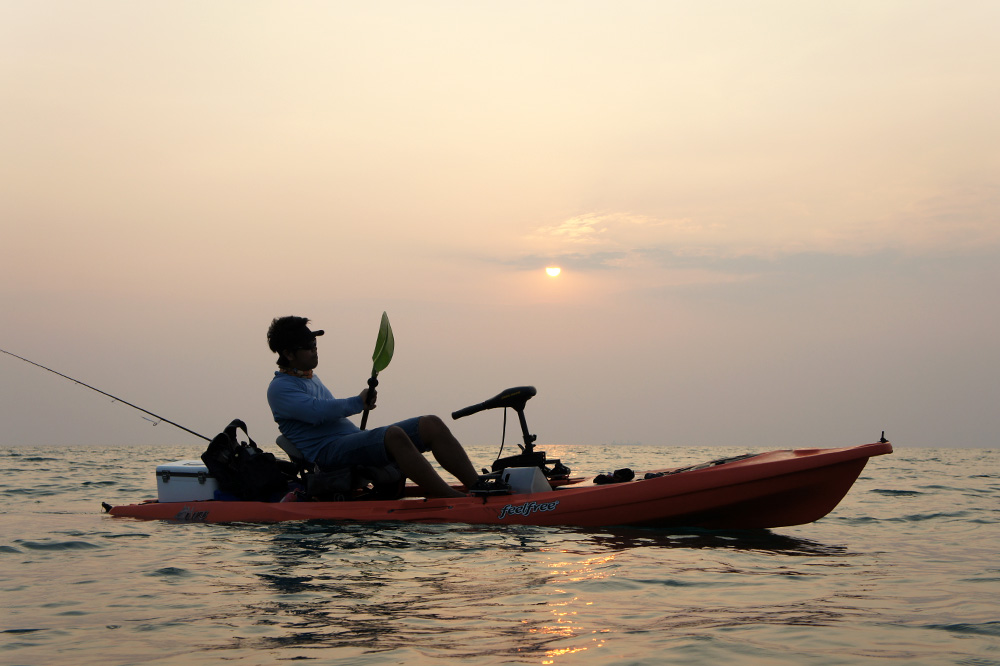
(553, 271)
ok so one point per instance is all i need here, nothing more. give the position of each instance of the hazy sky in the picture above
(778, 222)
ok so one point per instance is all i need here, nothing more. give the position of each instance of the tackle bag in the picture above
(618, 476)
(244, 470)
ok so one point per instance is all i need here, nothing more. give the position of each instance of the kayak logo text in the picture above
(189, 516)
(526, 509)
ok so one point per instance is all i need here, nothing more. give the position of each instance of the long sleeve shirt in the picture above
(308, 414)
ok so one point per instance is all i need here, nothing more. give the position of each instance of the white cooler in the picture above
(184, 481)
(526, 480)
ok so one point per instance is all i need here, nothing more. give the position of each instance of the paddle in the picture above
(384, 346)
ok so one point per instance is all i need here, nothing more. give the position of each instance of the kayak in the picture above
(773, 489)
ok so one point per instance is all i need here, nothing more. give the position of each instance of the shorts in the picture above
(367, 447)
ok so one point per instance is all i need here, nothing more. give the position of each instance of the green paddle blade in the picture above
(384, 346)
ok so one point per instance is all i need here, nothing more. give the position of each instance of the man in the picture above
(316, 422)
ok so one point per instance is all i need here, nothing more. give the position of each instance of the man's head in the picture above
(287, 336)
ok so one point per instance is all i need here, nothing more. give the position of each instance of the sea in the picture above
(905, 570)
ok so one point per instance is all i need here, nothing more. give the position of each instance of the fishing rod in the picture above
(113, 397)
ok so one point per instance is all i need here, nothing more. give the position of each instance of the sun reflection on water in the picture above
(566, 619)
(585, 569)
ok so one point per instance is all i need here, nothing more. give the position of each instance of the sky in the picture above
(778, 222)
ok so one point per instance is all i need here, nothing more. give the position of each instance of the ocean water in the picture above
(906, 569)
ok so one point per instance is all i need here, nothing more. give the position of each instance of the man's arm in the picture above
(291, 400)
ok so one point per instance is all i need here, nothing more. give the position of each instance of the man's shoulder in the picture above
(282, 381)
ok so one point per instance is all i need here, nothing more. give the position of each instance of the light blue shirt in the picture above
(308, 414)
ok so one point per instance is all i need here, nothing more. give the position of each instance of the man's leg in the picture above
(415, 466)
(447, 450)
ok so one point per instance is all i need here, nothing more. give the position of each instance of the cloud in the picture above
(961, 219)
(602, 241)
(617, 230)
(576, 261)
(944, 221)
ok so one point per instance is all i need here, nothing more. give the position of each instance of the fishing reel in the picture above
(516, 398)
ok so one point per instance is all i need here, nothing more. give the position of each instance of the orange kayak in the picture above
(773, 489)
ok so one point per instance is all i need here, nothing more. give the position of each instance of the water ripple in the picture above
(170, 571)
(897, 493)
(57, 545)
(985, 628)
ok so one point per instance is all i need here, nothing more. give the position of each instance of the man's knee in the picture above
(432, 427)
(396, 436)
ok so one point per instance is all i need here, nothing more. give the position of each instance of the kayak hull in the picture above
(774, 489)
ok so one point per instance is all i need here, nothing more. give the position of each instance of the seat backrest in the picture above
(291, 450)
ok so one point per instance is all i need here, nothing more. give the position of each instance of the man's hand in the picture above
(364, 398)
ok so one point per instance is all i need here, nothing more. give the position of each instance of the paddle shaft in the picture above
(372, 383)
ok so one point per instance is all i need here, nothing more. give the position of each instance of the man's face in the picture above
(303, 358)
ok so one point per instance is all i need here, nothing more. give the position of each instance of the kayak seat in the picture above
(347, 482)
(293, 452)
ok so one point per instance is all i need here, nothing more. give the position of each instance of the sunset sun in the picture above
(553, 271)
